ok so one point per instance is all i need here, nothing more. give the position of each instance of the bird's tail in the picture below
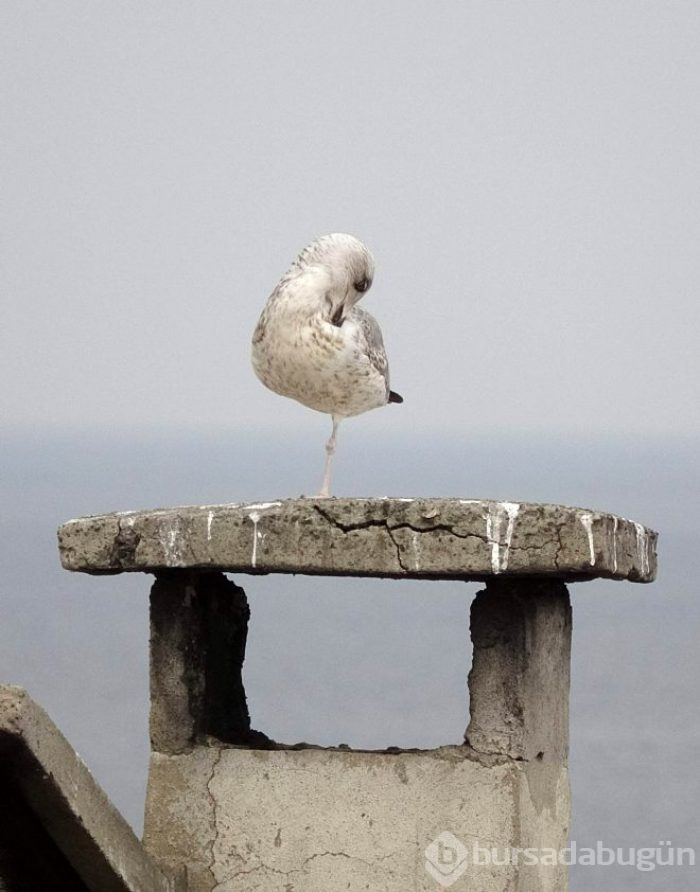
(395, 397)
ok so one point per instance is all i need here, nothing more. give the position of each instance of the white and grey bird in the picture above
(314, 344)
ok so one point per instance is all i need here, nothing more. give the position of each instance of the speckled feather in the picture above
(312, 343)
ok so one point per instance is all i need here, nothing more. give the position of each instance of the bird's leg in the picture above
(330, 452)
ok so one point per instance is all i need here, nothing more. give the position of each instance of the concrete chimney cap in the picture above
(412, 538)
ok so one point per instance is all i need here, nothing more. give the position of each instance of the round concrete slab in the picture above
(392, 537)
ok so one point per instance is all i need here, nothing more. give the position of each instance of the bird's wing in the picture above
(374, 343)
(279, 296)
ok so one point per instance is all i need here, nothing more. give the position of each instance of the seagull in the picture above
(314, 344)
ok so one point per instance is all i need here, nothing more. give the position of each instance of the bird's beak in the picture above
(337, 315)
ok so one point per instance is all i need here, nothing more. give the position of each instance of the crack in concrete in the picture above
(287, 873)
(560, 547)
(350, 527)
(399, 560)
(503, 758)
(126, 541)
(262, 866)
(484, 758)
(401, 525)
(349, 857)
(214, 827)
(333, 855)
(391, 528)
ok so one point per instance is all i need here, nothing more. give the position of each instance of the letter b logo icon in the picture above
(446, 859)
(446, 854)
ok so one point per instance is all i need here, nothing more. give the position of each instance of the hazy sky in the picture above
(526, 175)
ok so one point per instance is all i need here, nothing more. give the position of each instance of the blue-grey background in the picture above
(527, 177)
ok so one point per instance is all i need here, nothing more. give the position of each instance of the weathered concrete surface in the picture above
(257, 817)
(519, 705)
(42, 771)
(521, 668)
(355, 820)
(315, 820)
(199, 624)
(412, 538)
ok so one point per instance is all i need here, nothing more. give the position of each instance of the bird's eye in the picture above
(362, 285)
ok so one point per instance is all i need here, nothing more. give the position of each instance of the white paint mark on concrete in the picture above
(210, 518)
(169, 538)
(587, 523)
(173, 546)
(642, 548)
(498, 538)
(415, 540)
(255, 517)
(511, 509)
(262, 506)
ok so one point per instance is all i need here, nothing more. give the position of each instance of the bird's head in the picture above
(348, 265)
